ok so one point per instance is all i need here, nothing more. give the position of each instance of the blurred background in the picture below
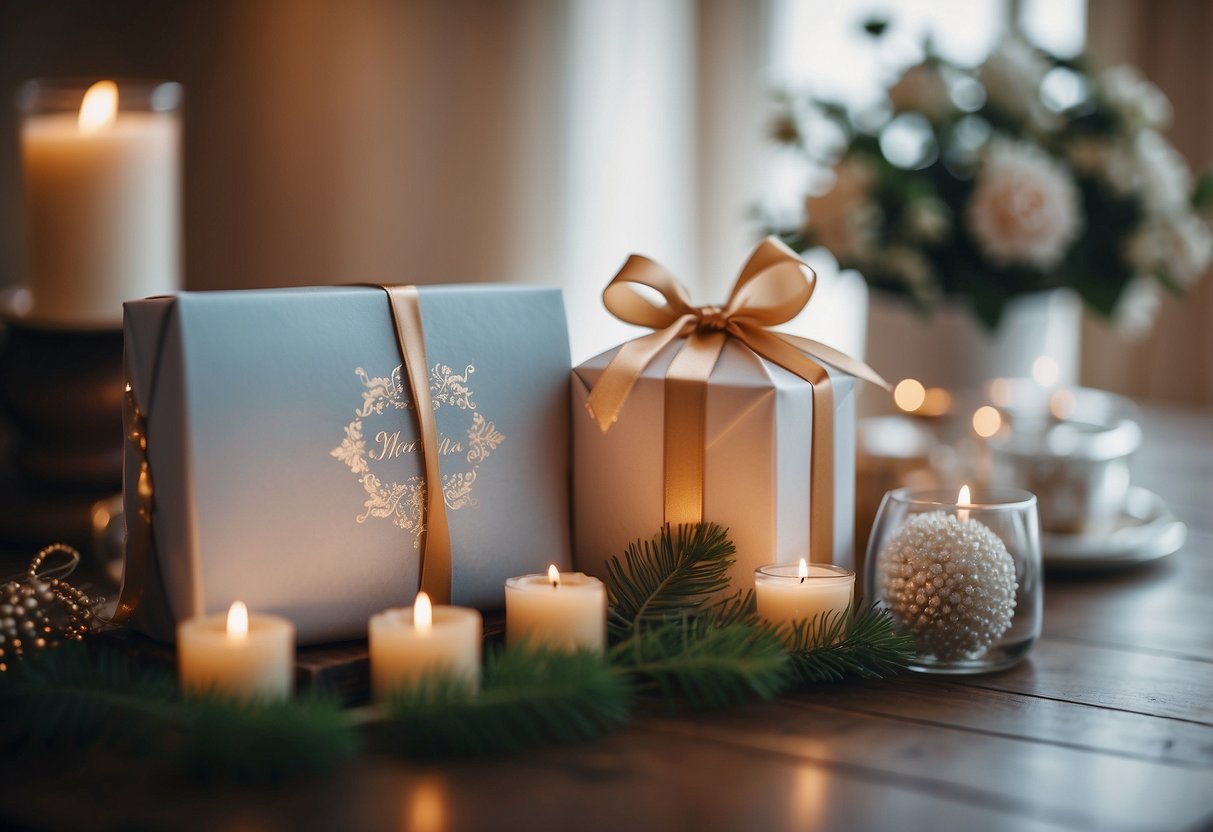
(544, 140)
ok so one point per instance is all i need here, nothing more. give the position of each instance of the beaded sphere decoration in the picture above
(950, 584)
(41, 609)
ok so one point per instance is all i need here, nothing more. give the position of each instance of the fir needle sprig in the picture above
(72, 698)
(702, 664)
(681, 573)
(834, 646)
(530, 696)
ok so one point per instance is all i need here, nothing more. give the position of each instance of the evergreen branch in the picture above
(531, 696)
(838, 645)
(263, 742)
(680, 572)
(702, 664)
(66, 698)
(69, 698)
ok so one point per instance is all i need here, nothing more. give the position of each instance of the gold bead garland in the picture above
(41, 609)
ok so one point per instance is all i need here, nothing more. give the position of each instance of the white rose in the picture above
(1012, 76)
(922, 89)
(1190, 251)
(1024, 209)
(1180, 248)
(1137, 308)
(845, 219)
(1166, 182)
(1138, 101)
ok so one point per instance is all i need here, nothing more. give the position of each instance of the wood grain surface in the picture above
(1108, 725)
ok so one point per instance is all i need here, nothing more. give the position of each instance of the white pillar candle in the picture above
(236, 654)
(566, 611)
(409, 643)
(799, 592)
(102, 200)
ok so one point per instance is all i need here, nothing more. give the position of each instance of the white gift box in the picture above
(288, 472)
(759, 427)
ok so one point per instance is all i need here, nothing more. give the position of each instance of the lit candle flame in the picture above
(963, 499)
(909, 394)
(99, 108)
(423, 613)
(554, 575)
(986, 421)
(237, 622)
(802, 571)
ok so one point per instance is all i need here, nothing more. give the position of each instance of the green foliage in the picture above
(680, 638)
(703, 664)
(224, 739)
(833, 647)
(72, 698)
(67, 699)
(677, 634)
(682, 573)
(530, 696)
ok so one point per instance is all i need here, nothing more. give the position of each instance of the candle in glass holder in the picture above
(237, 654)
(790, 592)
(566, 611)
(423, 640)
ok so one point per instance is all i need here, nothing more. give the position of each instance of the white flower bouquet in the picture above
(1026, 173)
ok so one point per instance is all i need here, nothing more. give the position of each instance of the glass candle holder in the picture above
(963, 580)
(789, 592)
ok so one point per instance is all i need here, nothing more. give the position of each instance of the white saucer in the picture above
(1146, 531)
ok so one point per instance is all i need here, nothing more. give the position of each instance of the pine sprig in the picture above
(71, 698)
(263, 742)
(67, 699)
(835, 646)
(702, 664)
(530, 696)
(682, 572)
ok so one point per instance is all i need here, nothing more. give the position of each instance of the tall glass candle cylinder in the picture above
(101, 164)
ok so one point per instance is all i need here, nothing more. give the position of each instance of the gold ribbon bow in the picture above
(772, 288)
(435, 577)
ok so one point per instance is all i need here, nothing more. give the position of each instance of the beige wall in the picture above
(1169, 40)
(325, 141)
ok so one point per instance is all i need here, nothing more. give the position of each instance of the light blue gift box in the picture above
(282, 446)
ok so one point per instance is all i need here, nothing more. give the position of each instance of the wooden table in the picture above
(1108, 725)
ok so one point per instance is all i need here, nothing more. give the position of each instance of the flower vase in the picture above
(952, 349)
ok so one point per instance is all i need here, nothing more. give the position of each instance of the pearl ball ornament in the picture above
(950, 584)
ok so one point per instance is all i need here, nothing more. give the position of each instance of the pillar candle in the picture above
(566, 611)
(237, 654)
(102, 203)
(412, 642)
(799, 592)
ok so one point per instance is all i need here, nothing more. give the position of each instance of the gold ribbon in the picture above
(436, 536)
(139, 527)
(435, 577)
(773, 288)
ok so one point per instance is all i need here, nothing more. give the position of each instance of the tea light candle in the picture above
(409, 643)
(800, 592)
(565, 611)
(237, 654)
